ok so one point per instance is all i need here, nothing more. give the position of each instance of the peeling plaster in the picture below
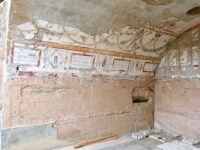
(97, 17)
(182, 59)
(28, 30)
(146, 41)
(33, 60)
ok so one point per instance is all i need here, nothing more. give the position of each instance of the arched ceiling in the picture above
(99, 16)
(140, 27)
(182, 57)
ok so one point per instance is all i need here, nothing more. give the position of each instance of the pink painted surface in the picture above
(23, 73)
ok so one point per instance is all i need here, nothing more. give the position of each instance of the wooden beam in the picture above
(113, 137)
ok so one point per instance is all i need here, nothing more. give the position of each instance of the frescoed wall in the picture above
(72, 65)
(177, 87)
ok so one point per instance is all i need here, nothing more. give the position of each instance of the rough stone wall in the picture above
(177, 106)
(105, 105)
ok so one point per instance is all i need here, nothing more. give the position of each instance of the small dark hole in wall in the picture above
(194, 11)
(139, 99)
(17, 68)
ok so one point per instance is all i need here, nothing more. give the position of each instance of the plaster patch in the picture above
(55, 28)
(125, 39)
(42, 24)
(28, 30)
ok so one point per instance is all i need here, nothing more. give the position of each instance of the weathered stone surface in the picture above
(91, 128)
(177, 107)
(82, 109)
(36, 100)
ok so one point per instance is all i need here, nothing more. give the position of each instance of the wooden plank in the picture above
(97, 51)
(113, 137)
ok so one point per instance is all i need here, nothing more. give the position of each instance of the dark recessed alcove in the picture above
(194, 11)
(139, 99)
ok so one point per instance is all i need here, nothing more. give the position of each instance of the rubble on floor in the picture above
(174, 135)
(151, 142)
(177, 145)
(172, 142)
(145, 133)
(190, 141)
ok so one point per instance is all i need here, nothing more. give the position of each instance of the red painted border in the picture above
(29, 73)
(12, 53)
(73, 54)
(122, 60)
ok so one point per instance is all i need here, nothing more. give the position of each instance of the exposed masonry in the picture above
(37, 100)
(73, 105)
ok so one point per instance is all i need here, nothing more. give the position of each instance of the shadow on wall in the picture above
(144, 92)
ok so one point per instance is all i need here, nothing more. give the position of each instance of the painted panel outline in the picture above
(149, 67)
(84, 64)
(120, 68)
(26, 47)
